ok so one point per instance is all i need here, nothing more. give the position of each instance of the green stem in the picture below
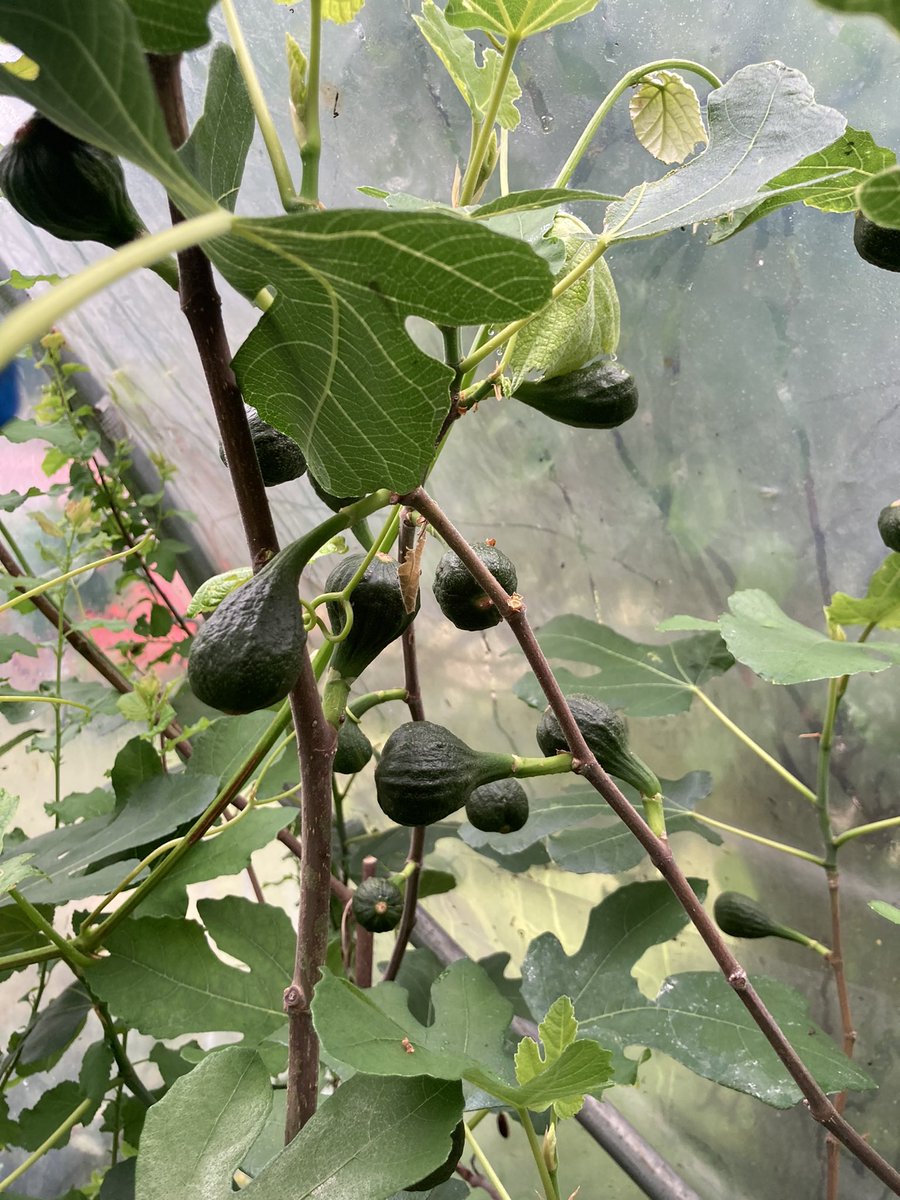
(473, 167)
(99, 562)
(274, 149)
(67, 952)
(361, 706)
(129, 1075)
(755, 747)
(340, 826)
(863, 830)
(311, 152)
(48, 1144)
(630, 80)
(654, 814)
(265, 743)
(802, 939)
(762, 841)
(486, 1168)
(494, 343)
(43, 700)
(29, 322)
(14, 546)
(27, 958)
(535, 1146)
(93, 938)
(528, 768)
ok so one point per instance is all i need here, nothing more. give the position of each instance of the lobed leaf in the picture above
(475, 82)
(161, 977)
(826, 180)
(642, 680)
(331, 363)
(518, 18)
(782, 650)
(696, 1018)
(94, 81)
(761, 122)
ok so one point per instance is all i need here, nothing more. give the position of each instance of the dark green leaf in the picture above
(582, 835)
(364, 403)
(51, 1110)
(56, 1028)
(153, 811)
(136, 763)
(16, 931)
(435, 883)
(226, 854)
(161, 976)
(14, 643)
(118, 1182)
(696, 1017)
(598, 976)
(765, 105)
(94, 82)
(220, 749)
(391, 846)
(195, 1137)
(12, 500)
(170, 1063)
(537, 198)
(170, 26)
(364, 1142)
(81, 806)
(643, 680)
(698, 1020)
(12, 742)
(216, 151)
(366, 1029)
(61, 434)
(93, 1078)
(782, 650)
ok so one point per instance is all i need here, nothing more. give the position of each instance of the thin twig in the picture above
(88, 650)
(316, 744)
(408, 530)
(202, 307)
(659, 852)
(128, 538)
(365, 939)
(474, 1180)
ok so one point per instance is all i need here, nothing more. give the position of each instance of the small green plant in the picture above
(372, 1073)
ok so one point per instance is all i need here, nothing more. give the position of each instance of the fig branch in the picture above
(406, 544)
(659, 852)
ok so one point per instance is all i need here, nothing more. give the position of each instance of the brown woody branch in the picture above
(659, 852)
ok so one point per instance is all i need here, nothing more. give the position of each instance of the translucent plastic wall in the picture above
(766, 442)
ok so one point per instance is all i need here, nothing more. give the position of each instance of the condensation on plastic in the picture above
(765, 444)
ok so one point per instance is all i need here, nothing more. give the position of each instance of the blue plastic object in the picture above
(9, 393)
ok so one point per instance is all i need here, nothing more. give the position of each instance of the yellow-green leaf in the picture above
(665, 114)
(457, 52)
(338, 11)
(581, 324)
